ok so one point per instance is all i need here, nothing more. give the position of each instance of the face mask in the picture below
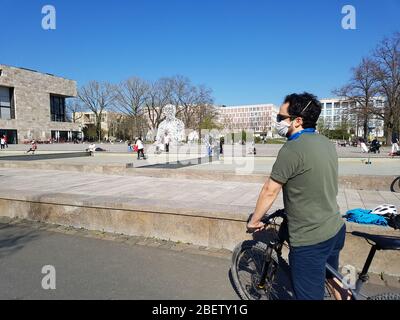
(282, 127)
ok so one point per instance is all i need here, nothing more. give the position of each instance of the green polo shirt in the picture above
(308, 169)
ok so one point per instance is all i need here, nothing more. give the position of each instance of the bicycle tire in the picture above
(283, 290)
(255, 293)
(395, 186)
(386, 296)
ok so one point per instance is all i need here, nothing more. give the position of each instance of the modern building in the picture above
(260, 118)
(109, 122)
(32, 106)
(337, 111)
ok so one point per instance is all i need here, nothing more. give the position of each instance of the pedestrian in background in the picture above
(140, 148)
(363, 146)
(33, 147)
(167, 140)
(395, 142)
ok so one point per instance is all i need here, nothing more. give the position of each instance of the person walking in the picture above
(91, 149)
(140, 148)
(363, 145)
(307, 170)
(167, 140)
(395, 142)
(5, 141)
(375, 146)
(2, 142)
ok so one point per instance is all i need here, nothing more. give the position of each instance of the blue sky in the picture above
(247, 51)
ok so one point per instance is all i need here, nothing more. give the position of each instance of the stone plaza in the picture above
(202, 201)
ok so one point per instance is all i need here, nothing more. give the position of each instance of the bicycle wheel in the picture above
(395, 186)
(247, 262)
(386, 296)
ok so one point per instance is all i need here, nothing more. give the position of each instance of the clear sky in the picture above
(247, 51)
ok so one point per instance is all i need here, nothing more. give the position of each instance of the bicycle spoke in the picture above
(249, 268)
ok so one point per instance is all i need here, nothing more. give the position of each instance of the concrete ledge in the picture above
(43, 156)
(217, 228)
(358, 182)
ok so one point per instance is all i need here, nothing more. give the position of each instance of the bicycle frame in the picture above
(362, 278)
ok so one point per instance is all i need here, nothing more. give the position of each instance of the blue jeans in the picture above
(307, 265)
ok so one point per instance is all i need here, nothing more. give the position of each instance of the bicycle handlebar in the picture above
(266, 219)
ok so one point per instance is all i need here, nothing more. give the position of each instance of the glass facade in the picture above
(6, 103)
(57, 108)
(64, 136)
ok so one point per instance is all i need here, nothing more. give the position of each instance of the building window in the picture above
(6, 103)
(11, 135)
(57, 108)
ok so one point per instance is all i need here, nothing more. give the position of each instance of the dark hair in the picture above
(306, 106)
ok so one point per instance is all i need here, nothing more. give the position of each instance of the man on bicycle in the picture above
(307, 170)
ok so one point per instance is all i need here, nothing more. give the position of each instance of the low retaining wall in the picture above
(218, 229)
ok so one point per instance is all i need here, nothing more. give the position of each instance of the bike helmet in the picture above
(385, 210)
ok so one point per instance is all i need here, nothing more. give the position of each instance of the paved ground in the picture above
(262, 149)
(88, 267)
(263, 165)
(177, 192)
(351, 160)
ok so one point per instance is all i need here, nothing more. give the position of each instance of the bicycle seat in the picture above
(382, 242)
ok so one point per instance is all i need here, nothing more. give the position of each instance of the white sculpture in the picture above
(171, 127)
(150, 135)
(193, 137)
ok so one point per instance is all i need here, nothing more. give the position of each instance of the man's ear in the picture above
(299, 122)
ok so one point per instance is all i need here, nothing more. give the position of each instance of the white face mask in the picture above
(282, 127)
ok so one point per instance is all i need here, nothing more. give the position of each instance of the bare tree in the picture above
(195, 103)
(361, 91)
(74, 108)
(387, 71)
(131, 97)
(184, 96)
(97, 97)
(158, 96)
(204, 109)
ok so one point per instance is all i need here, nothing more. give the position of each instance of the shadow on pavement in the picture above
(13, 238)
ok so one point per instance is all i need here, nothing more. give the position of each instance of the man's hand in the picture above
(255, 226)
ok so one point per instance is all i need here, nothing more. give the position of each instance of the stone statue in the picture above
(171, 127)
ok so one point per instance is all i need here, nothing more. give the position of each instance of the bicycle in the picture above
(259, 272)
(395, 186)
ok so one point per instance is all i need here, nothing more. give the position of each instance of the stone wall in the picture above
(32, 102)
